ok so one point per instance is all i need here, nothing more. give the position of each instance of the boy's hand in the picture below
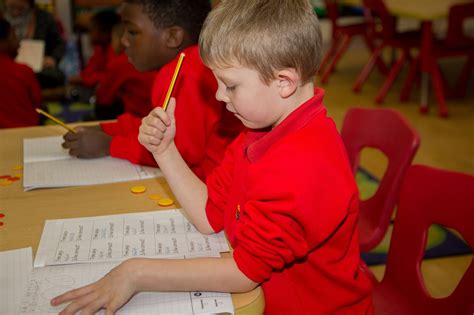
(111, 292)
(158, 129)
(87, 142)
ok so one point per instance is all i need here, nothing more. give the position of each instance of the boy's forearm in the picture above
(200, 274)
(190, 191)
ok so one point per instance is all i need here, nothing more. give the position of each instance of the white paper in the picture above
(48, 282)
(31, 52)
(15, 266)
(119, 237)
(47, 164)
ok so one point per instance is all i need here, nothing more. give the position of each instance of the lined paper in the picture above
(47, 164)
(15, 266)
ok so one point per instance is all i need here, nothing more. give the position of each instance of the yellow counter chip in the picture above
(165, 202)
(138, 189)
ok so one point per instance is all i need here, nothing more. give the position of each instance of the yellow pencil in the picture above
(173, 81)
(55, 120)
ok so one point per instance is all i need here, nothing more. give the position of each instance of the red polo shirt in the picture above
(204, 127)
(95, 68)
(121, 81)
(289, 203)
(20, 94)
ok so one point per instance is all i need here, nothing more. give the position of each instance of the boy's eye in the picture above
(230, 88)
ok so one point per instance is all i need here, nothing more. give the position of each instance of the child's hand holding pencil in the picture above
(158, 129)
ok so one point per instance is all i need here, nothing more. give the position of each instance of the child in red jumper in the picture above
(20, 92)
(100, 31)
(155, 33)
(284, 193)
(122, 87)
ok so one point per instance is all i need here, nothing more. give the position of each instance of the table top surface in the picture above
(26, 212)
(424, 10)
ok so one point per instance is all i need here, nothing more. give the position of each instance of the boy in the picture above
(122, 88)
(20, 92)
(100, 30)
(284, 193)
(155, 33)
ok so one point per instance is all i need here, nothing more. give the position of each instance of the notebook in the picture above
(47, 164)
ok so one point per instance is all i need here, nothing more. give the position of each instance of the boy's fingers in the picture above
(70, 295)
(70, 136)
(79, 304)
(171, 108)
(70, 144)
(159, 113)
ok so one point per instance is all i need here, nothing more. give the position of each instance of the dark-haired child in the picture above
(122, 89)
(155, 33)
(100, 30)
(20, 92)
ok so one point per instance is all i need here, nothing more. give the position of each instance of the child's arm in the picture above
(157, 134)
(138, 275)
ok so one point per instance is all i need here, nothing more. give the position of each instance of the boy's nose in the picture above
(124, 40)
(221, 96)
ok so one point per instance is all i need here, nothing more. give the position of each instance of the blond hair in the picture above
(265, 35)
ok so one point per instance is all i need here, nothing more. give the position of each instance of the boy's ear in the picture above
(175, 36)
(288, 80)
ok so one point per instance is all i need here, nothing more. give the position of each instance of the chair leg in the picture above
(364, 74)
(461, 84)
(380, 63)
(410, 80)
(391, 77)
(340, 51)
(330, 53)
(439, 91)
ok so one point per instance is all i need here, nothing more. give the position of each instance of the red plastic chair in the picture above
(428, 196)
(389, 37)
(342, 36)
(388, 131)
(456, 43)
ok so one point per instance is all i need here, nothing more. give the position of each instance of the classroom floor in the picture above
(445, 143)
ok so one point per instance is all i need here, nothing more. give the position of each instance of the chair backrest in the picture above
(455, 34)
(387, 23)
(388, 131)
(429, 196)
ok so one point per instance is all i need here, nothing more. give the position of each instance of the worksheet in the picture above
(47, 164)
(118, 237)
(47, 282)
(15, 266)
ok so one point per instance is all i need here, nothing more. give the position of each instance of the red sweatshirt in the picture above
(121, 81)
(94, 70)
(20, 94)
(204, 127)
(289, 203)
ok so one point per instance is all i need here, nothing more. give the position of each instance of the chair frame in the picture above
(388, 131)
(428, 196)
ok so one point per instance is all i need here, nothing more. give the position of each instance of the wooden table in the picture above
(26, 212)
(426, 11)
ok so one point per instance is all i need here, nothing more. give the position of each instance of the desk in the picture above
(425, 11)
(25, 212)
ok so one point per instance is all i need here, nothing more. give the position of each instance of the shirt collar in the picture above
(258, 142)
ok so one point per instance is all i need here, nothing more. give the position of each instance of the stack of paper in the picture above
(47, 164)
(79, 238)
